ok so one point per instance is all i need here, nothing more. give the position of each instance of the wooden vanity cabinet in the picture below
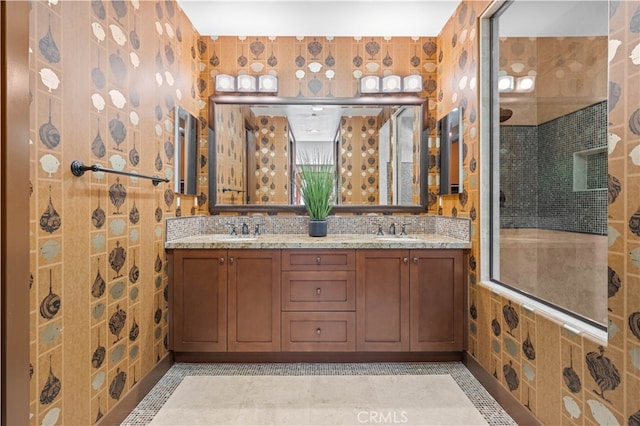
(198, 301)
(437, 300)
(317, 300)
(382, 294)
(254, 300)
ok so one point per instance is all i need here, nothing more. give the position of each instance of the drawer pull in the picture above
(415, 260)
(405, 260)
(231, 260)
(318, 331)
(318, 260)
(221, 260)
(318, 291)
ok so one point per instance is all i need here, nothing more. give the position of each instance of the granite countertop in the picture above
(284, 241)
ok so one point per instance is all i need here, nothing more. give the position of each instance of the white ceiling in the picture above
(345, 18)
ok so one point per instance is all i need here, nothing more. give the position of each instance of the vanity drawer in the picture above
(318, 291)
(318, 260)
(318, 331)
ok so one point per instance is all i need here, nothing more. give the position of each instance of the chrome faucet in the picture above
(392, 229)
(245, 228)
(234, 229)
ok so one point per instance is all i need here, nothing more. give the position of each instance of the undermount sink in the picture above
(399, 239)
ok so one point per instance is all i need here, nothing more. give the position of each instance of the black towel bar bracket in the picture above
(78, 168)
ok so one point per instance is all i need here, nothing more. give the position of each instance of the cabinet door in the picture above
(199, 301)
(382, 294)
(437, 300)
(254, 300)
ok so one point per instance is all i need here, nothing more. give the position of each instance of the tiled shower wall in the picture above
(537, 179)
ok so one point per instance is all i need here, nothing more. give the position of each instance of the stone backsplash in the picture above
(453, 227)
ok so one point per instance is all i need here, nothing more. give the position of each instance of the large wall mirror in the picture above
(549, 154)
(376, 145)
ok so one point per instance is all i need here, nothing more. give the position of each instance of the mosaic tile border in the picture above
(492, 412)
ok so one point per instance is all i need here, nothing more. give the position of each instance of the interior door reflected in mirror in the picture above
(186, 128)
(449, 131)
(375, 143)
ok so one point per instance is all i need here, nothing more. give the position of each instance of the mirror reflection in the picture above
(449, 132)
(186, 128)
(550, 151)
(374, 143)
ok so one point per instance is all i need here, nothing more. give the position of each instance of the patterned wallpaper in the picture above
(570, 74)
(105, 76)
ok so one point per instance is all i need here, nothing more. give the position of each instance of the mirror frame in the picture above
(215, 208)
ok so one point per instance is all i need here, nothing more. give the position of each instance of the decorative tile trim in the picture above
(492, 412)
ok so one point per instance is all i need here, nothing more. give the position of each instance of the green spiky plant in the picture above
(317, 185)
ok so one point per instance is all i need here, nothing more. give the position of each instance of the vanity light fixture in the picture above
(268, 83)
(225, 83)
(505, 83)
(247, 83)
(370, 84)
(412, 83)
(525, 84)
(391, 84)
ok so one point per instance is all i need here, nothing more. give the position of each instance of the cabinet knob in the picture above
(405, 260)
(415, 260)
(318, 331)
(231, 260)
(318, 260)
(221, 260)
(318, 291)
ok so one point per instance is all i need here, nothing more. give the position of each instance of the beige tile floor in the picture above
(318, 393)
(318, 400)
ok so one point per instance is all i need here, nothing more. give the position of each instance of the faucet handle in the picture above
(403, 230)
(256, 230)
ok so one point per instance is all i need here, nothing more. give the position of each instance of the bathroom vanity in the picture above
(297, 298)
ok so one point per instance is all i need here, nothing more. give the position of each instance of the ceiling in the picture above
(345, 18)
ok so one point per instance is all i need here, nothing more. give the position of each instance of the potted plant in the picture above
(317, 179)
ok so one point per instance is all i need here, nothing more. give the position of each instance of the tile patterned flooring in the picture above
(479, 397)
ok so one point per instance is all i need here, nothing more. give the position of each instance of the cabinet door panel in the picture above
(199, 301)
(254, 300)
(437, 300)
(382, 290)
